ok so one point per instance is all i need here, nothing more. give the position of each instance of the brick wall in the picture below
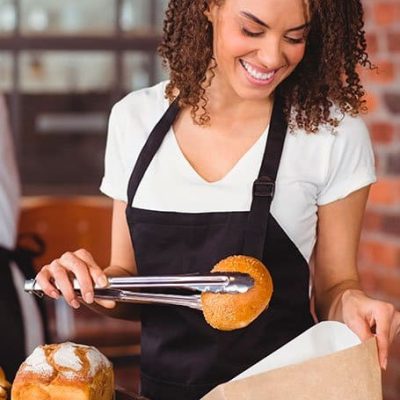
(380, 245)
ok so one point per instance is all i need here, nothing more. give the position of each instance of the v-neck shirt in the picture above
(315, 169)
(244, 159)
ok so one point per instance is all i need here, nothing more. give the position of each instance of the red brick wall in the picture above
(380, 245)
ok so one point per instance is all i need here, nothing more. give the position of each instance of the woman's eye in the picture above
(295, 41)
(250, 33)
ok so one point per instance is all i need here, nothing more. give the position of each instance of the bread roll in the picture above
(65, 371)
(225, 311)
(4, 386)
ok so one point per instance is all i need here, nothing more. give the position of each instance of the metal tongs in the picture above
(120, 288)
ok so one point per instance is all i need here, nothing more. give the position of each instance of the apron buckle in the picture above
(264, 186)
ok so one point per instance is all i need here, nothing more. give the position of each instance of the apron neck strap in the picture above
(153, 143)
(264, 186)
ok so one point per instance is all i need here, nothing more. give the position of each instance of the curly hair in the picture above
(335, 46)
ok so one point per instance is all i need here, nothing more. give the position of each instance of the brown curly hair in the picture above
(335, 46)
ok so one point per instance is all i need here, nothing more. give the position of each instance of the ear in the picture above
(210, 12)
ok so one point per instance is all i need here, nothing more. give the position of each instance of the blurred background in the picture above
(63, 64)
(380, 246)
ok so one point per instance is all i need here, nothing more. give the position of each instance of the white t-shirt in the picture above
(315, 169)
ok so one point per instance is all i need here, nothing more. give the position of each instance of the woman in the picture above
(244, 71)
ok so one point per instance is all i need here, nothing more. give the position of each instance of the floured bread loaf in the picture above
(65, 371)
(4, 386)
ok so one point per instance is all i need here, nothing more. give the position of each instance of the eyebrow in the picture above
(262, 23)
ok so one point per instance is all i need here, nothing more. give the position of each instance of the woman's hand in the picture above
(338, 294)
(58, 275)
(368, 317)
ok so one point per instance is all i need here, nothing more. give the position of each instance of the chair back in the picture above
(68, 224)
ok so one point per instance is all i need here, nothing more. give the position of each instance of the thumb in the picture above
(110, 304)
(361, 328)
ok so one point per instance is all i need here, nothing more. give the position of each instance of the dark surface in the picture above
(121, 394)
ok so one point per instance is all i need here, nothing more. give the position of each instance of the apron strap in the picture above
(264, 186)
(150, 148)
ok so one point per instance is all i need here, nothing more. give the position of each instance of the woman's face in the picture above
(257, 44)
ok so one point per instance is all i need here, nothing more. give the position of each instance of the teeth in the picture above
(255, 74)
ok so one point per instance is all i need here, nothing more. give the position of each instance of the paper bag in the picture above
(318, 372)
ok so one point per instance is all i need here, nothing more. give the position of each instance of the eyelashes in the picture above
(290, 40)
(250, 33)
(295, 41)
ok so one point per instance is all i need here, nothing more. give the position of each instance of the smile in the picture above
(261, 76)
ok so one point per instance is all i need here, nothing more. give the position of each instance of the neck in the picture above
(223, 101)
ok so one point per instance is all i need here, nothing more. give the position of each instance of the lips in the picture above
(256, 73)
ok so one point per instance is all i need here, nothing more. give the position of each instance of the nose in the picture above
(271, 52)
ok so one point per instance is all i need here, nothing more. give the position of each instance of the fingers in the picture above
(60, 275)
(97, 273)
(395, 329)
(384, 321)
(366, 316)
(81, 271)
(44, 278)
(360, 327)
(110, 304)
(57, 277)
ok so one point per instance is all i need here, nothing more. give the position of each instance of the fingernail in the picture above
(385, 363)
(89, 298)
(54, 294)
(102, 281)
(75, 304)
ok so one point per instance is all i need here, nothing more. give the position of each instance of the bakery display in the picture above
(227, 312)
(4, 386)
(64, 371)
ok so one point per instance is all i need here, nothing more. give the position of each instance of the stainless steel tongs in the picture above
(120, 288)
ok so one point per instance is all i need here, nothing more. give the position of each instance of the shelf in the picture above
(81, 43)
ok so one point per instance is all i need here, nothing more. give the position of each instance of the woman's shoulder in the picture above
(349, 129)
(315, 154)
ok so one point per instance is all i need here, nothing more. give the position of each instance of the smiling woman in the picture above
(220, 160)
(324, 40)
(252, 53)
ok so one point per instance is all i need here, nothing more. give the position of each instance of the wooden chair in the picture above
(67, 224)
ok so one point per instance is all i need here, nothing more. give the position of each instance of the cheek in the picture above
(231, 44)
(296, 54)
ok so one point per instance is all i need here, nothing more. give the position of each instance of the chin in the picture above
(254, 94)
(248, 91)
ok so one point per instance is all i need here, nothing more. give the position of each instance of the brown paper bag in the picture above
(351, 374)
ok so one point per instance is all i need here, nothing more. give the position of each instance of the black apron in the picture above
(12, 339)
(12, 336)
(182, 357)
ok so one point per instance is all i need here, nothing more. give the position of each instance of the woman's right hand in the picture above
(57, 277)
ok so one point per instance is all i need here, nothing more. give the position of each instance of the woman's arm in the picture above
(338, 294)
(56, 278)
(122, 263)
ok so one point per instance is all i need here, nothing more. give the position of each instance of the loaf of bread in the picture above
(225, 311)
(65, 371)
(4, 386)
